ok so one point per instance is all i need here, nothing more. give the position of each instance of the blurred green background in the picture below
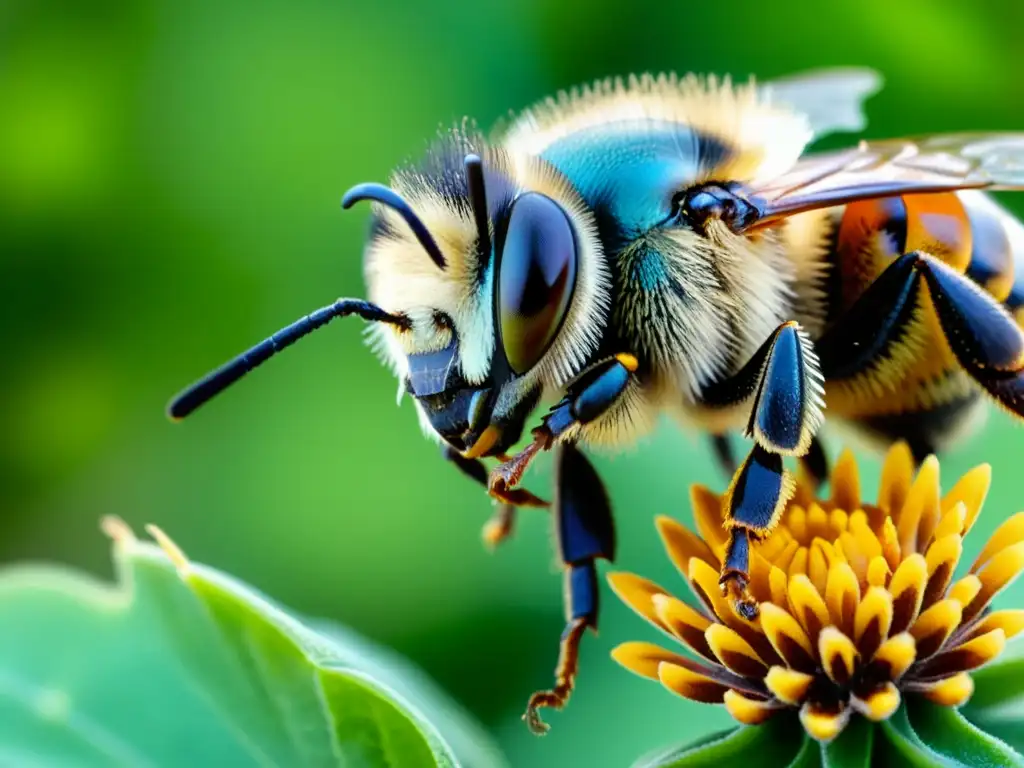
(169, 182)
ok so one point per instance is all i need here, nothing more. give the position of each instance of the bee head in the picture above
(513, 308)
(487, 289)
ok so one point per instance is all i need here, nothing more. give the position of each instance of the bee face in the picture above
(517, 310)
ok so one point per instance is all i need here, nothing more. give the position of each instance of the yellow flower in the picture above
(858, 604)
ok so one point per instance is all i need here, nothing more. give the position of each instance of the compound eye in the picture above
(536, 278)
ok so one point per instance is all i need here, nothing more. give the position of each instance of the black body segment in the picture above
(981, 333)
(753, 498)
(583, 514)
(815, 462)
(220, 379)
(583, 521)
(781, 404)
(721, 447)
(863, 333)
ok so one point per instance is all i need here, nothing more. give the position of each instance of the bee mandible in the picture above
(666, 244)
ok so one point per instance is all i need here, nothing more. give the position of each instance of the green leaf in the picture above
(949, 733)
(852, 748)
(926, 734)
(179, 664)
(902, 746)
(998, 683)
(777, 742)
(809, 756)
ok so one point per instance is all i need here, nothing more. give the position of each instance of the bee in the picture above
(665, 244)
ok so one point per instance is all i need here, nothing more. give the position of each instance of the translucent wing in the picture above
(893, 167)
(832, 99)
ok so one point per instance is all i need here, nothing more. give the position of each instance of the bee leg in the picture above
(585, 532)
(721, 446)
(588, 397)
(500, 525)
(815, 462)
(753, 505)
(786, 411)
(982, 335)
(984, 338)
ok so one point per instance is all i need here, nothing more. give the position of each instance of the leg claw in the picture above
(735, 586)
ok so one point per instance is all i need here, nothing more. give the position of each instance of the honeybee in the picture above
(665, 244)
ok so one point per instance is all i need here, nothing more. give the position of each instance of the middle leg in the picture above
(786, 410)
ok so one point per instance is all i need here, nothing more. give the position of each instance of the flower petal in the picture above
(846, 482)
(787, 637)
(838, 655)
(637, 593)
(779, 584)
(823, 725)
(891, 544)
(707, 514)
(796, 521)
(907, 590)
(807, 606)
(747, 710)
(952, 521)
(879, 704)
(941, 558)
(788, 685)
(922, 504)
(878, 572)
(949, 692)
(894, 657)
(1011, 621)
(785, 557)
(684, 622)
(842, 594)
(681, 544)
(934, 627)
(734, 652)
(644, 658)
(872, 620)
(1010, 532)
(691, 685)
(971, 489)
(971, 655)
(817, 523)
(897, 473)
(1001, 571)
(704, 582)
(818, 558)
(965, 590)
(798, 564)
(838, 521)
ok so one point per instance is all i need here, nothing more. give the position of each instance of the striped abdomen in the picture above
(967, 230)
(917, 373)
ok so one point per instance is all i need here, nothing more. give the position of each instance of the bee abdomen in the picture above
(967, 230)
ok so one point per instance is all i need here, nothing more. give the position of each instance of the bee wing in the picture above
(832, 99)
(894, 167)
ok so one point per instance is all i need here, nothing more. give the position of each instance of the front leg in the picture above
(587, 398)
(499, 526)
(585, 532)
(786, 411)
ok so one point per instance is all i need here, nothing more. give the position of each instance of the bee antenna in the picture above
(378, 193)
(478, 199)
(217, 381)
